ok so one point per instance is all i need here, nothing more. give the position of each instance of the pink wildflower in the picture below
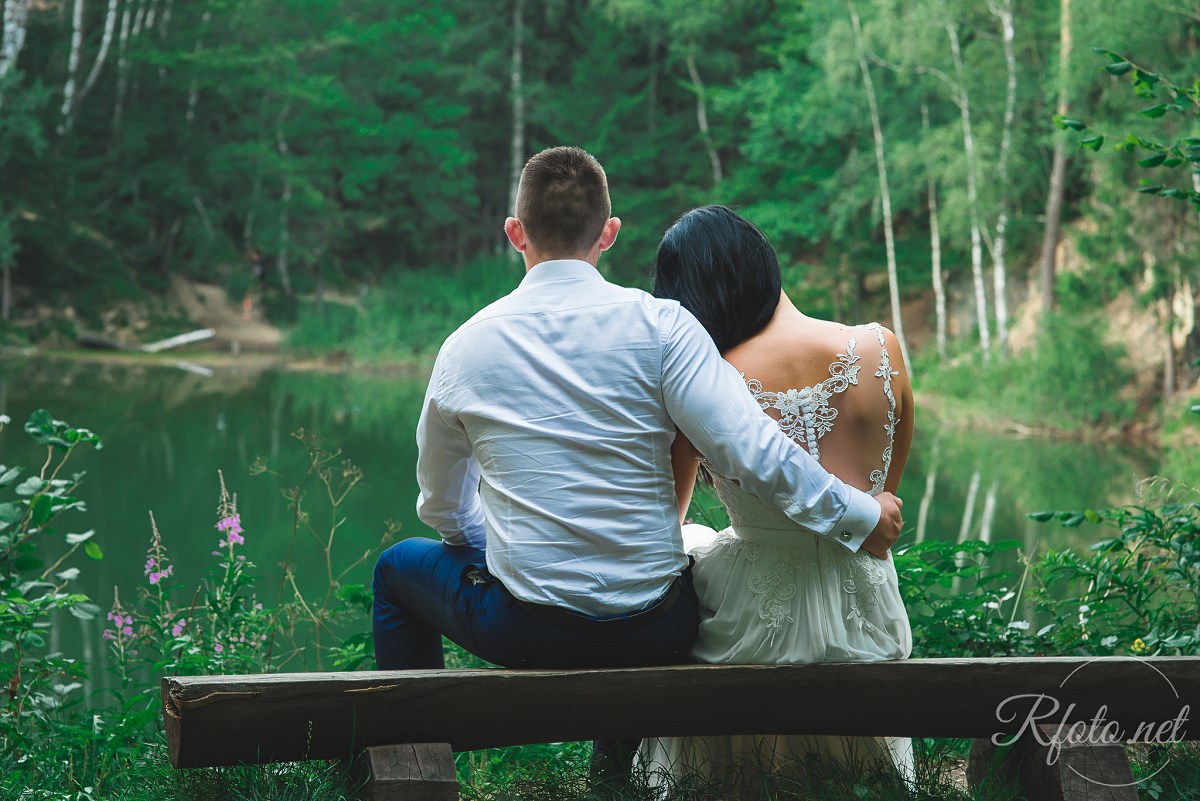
(180, 625)
(108, 635)
(218, 648)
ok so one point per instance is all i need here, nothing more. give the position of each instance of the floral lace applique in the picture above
(805, 414)
(885, 371)
(774, 586)
(862, 584)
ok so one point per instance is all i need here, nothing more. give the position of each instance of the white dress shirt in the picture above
(545, 437)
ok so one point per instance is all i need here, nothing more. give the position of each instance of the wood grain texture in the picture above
(225, 720)
(411, 772)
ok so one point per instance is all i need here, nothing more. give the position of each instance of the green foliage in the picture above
(37, 681)
(1074, 378)
(1178, 155)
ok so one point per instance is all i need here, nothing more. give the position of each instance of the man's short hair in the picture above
(562, 201)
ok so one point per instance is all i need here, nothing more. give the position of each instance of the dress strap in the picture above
(885, 371)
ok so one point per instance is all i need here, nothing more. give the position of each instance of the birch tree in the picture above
(714, 158)
(1058, 169)
(1004, 10)
(16, 14)
(935, 249)
(884, 191)
(72, 65)
(110, 24)
(964, 106)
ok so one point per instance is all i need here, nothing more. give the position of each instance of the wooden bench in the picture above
(410, 722)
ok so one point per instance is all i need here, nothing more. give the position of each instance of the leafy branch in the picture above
(1182, 152)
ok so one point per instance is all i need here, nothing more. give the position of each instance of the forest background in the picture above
(900, 154)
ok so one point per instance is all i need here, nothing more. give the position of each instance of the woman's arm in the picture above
(685, 464)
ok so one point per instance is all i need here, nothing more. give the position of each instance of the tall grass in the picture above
(408, 316)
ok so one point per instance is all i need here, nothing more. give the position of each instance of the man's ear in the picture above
(516, 234)
(609, 235)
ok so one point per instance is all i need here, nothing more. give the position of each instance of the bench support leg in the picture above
(411, 772)
(1078, 771)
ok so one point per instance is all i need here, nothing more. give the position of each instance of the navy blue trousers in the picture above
(425, 589)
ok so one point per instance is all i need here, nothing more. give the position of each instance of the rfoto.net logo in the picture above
(1044, 718)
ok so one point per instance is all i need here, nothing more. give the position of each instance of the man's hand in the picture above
(887, 530)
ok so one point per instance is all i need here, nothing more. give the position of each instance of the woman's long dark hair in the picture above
(722, 269)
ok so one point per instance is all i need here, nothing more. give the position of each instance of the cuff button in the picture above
(846, 535)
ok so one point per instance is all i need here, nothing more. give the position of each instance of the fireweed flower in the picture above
(229, 521)
(157, 567)
(178, 626)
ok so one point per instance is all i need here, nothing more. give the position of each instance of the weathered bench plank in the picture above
(225, 720)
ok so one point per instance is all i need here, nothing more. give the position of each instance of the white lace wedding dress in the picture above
(771, 593)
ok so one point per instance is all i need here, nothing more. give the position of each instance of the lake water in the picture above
(167, 432)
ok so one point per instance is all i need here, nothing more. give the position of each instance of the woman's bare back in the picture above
(838, 391)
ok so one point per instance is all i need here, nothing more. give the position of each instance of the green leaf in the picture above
(1118, 68)
(1152, 161)
(9, 476)
(31, 639)
(43, 510)
(1195, 409)
(92, 549)
(1093, 142)
(1150, 189)
(1155, 111)
(1040, 517)
(1066, 123)
(1073, 521)
(27, 562)
(84, 611)
(70, 574)
(75, 539)
(12, 512)
(30, 486)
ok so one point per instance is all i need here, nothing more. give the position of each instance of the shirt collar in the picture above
(560, 270)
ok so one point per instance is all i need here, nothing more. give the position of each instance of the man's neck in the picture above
(534, 259)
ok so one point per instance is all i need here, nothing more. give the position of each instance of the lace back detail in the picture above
(806, 416)
(885, 371)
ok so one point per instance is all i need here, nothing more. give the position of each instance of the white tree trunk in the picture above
(969, 507)
(72, 65)
(122, 69)
(1000, 249)
(935, 252)
(989, 513)
(139, 19)
(518, 105)
(964, 104)
(930, 486)
(714, 158)
(889, 237)
(110, 25)
(16, 13)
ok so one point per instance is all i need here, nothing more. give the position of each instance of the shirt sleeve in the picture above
(707, 399)
(447, 474)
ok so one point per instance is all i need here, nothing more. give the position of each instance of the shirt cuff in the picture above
(861, 517)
